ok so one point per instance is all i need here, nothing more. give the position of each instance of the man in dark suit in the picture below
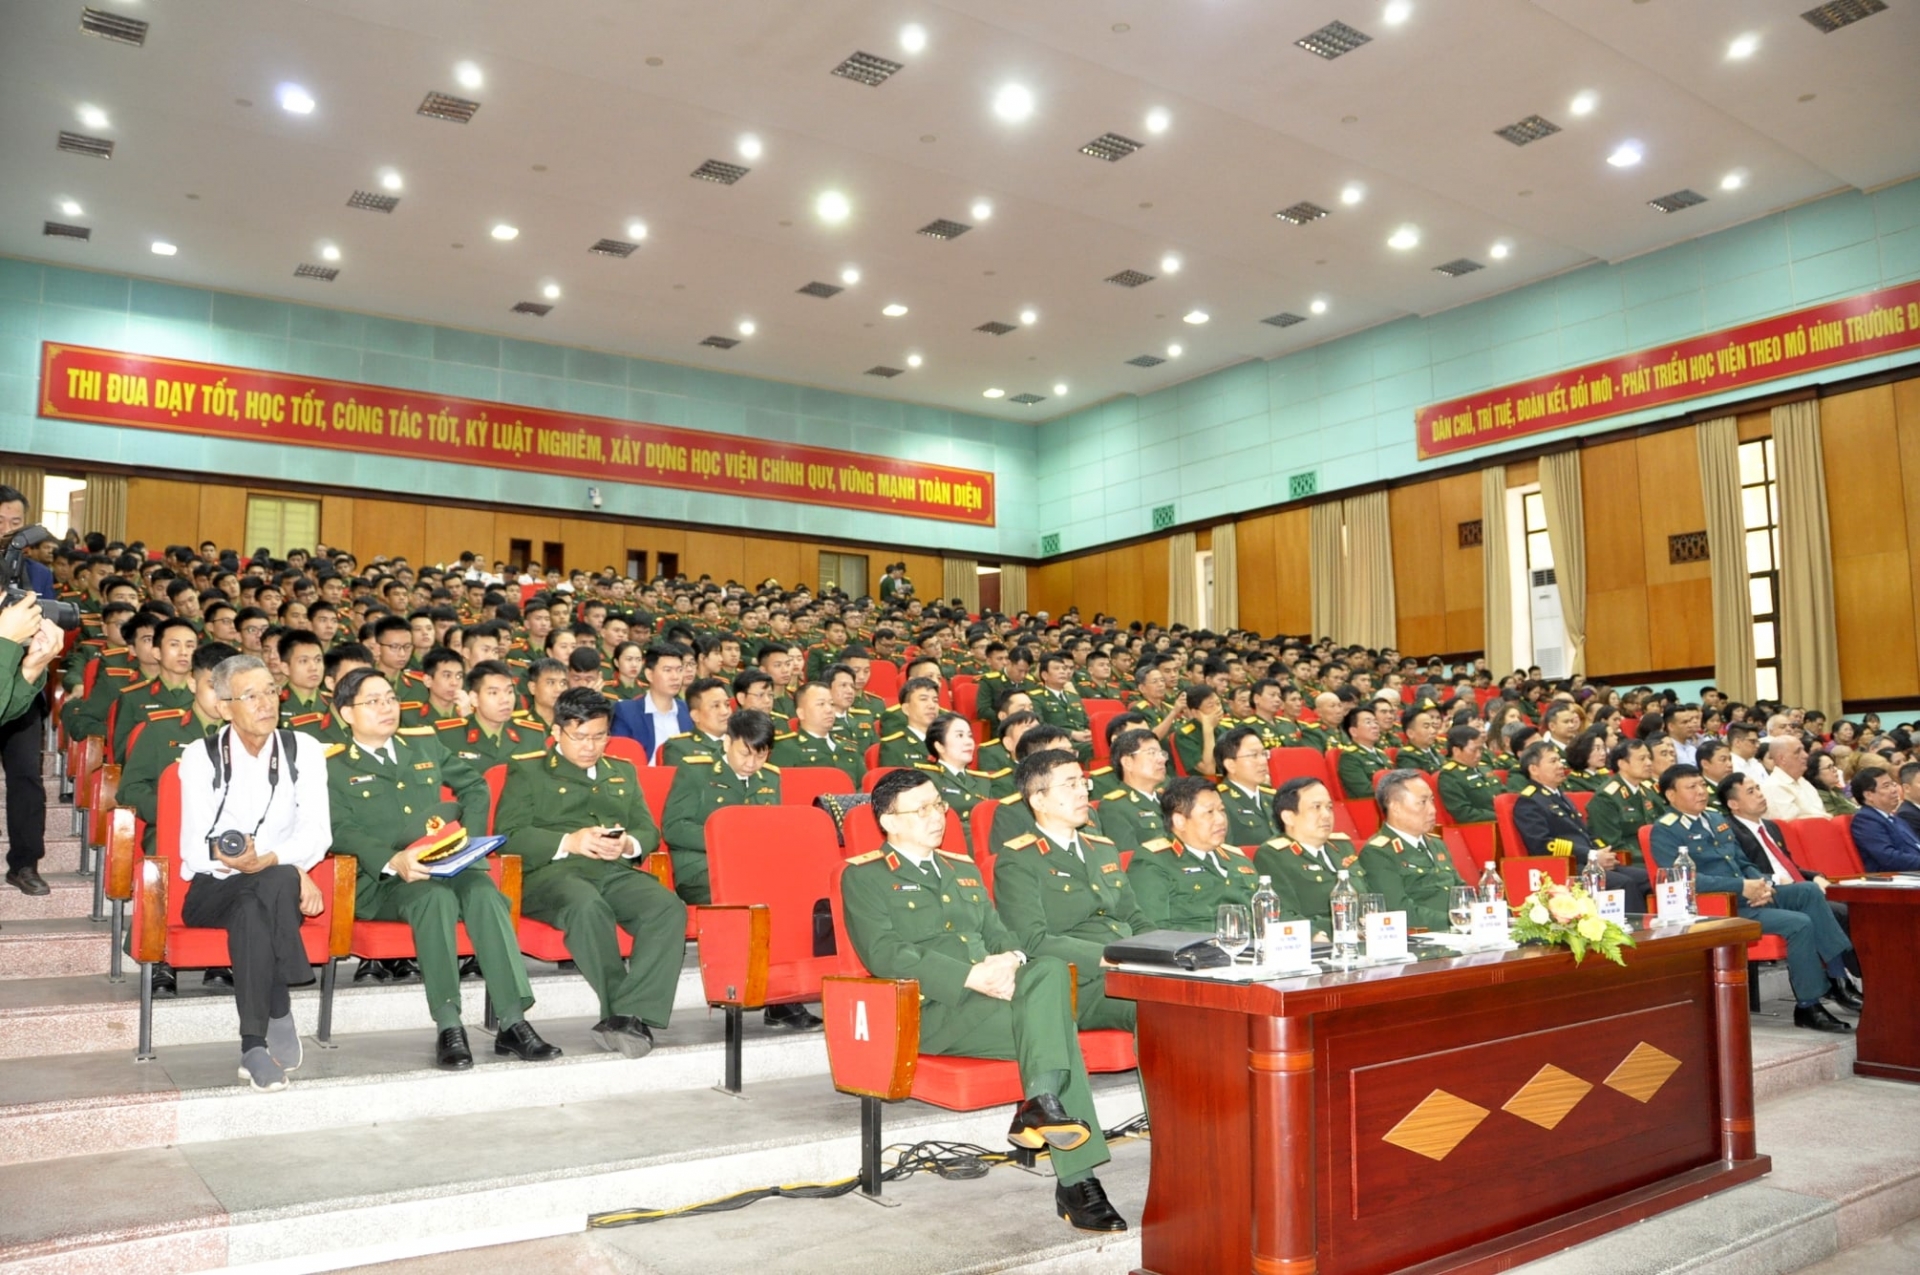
(1909, 811)
(660, 714)
(1549, 823)
(1884, 841)
(1765, 846)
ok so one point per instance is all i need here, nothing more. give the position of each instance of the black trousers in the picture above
(260, 911)
(21, 742)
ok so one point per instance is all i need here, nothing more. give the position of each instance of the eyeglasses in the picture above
(250, 698)
(396, 646)
(373, 701)
(937, 807)
(1078, 783)
(593, 740)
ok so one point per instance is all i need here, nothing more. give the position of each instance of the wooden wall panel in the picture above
(1906, 412)
(782, 560)
(223, 516)
(1617, 631)
(163, 512)
(1292, 571)
(1617, 638)
(721, 555)
(1419, 593)
(510, 526)
(336, 523)
(1050, 585)
(1867, 507)
(391, 528)
(450, 531)
(1670, 504)
(1462, 577)
(1259, 608)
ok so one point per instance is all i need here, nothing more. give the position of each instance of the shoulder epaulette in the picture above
(1265, 789)
(683, 734)
(769, 767)
(1187, 728)
(1096, 838)
(416, 732)
(983, 774)
(1528, 791)
(953, 854)
(1380, 840)
(1669, 818)
(1010, 799)
(1117, 792)
(778, 736)
(704, 758)
(871, 856)
(1339, 836)
(1452, 765)
(529, 756)
(1156, 845)
(888, 739)
(1021, 842)
(996, 774)
(1279, 843)
(334, 750)
(451, 723)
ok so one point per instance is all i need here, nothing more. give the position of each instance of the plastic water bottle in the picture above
(1492, 888)
(1683, 871)
(1265, 906)
(1593, 878)
(1345, 905)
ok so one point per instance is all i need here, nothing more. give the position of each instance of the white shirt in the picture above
(1780, 874)
(1752, 767)
(1071, 845)
(666, 722)
(297, 828)
(1319, 853)
(1791, 798)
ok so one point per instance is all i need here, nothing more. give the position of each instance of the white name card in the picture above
(1613, 906)
(1289, 945)
(1490, 918)
(1672, 896)
(1386, 936)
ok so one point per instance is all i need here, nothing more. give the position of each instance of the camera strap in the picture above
(223, 763)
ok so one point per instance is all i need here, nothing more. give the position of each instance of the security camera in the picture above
(593, 497)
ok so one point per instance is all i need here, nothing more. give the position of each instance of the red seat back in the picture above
(1823, 845)
(1510, 843)
(1297, 763)
(874, 775)
(1107, 706)
(1097, 723)
(1465, 861)
(1433, 783)
(872, 756)
(656, 782)
(496, 778)
(1521, 874)
(885, 681)
(1365, 814)
(629, 750)
(966, 695)
(1580, 800)
(783, 857)
(799, 785)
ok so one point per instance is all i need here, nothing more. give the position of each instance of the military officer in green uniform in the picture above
(1623, 805)
(1406, 863)
(1466, 789)
(814, 743)
(1183, 880)
(1197, 734)
(995, 757)
(707, 705)
(491, 737)
(1058, 704)
(740, 776)
(1360, 759)
(1308, 855)
(913, 911)
(173, 642)
(1060, 889)
(303, 700)
(1248, 801)
(1130, 812)
(1275, 730)
(383, 790)
(1421, 751)
(919, 704)
(578, 819)
(444, 688)
(166, 732)
(961, 786)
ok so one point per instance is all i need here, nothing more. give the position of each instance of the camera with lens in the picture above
(13, 576)
(231, 843)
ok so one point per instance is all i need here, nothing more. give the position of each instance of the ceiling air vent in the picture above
(1027, 400)
(1111, 147)
(1530, 129)
(1284, 319)
(538, 309)
(612, 248)
(1301, 213)
(325, 274)
(1332, 40)
(445, 106)
(720, 342)
(1146, 360)
(81, 144)
(1457, 267)
(368, 201)
(993, 327)
(883, 372)
(868, 69)
(1677, 200)
(60, 230)
(821, 290)
(1130, 278)
(720, 171)
(1826, 18)
(123, 30)
(944, 229)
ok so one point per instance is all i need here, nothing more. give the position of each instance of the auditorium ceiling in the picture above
(1265, 175)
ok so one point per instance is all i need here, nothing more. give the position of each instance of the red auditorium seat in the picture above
(799, 785)
(1520, 873)
(1768, 947)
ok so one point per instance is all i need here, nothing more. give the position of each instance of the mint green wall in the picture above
(51, 303)
(1229, 441)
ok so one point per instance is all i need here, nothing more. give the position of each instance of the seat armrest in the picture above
(150, 912)
(506, 875)
(734, 953)
(1715, 904)
(659, 865)
(873, 1034)
(123, 852)
(338, 876)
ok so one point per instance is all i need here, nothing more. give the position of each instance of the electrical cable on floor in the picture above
(954, 1161)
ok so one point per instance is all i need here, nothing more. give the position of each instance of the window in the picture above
(844, 571)
(1203, 587)
(1533, 507)
(280, 524)
(1539, 631)
(1760, 515)
(62, 502)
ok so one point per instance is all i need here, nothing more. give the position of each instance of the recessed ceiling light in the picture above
(994, 392)
(329, 252)
(1626, 155)
(551, 292)
(850, 276)
(749, 146)
(893, 311)
(1743, 46)
(1013, 103)
(981, 210)
(1169, 264)
(161, 248)
(70, 207)
(1157, 120)
(1733, 180)
(504, 232)
(1029, 317)
(390, 180)
(1583, 104)
(913, 360)
(295, 100)
(913, 37)
(1352, 193)
(747, 328)
(832, 207)
(1196, 317)
(1396, 12)
(1059, 388)
(93, 116)
(1318, 306)
(1404, 238)
(468, 75)
(636, 229)
(1174, 351)
(1499, 251)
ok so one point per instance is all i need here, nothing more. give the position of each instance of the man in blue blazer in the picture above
(660, 714)
(1885, 842)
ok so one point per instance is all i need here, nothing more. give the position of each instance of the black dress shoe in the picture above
(524, 1043)
(452, 1053)
(1085, 1206)
(1842, 995)
(470, 967)
(371, 971)
(222, 974)
(403, 968)
(1041, 1121)
(27, 880)
(163, 980)
(620, 1034)
(796, 1016)
(1818, 1019)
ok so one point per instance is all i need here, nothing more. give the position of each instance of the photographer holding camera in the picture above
(253, 822)
(30, 637)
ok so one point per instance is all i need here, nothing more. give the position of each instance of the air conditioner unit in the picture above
(1549, 633)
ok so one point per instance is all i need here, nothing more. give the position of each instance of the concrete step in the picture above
(52, 948)
(62, 848)
(70, 896)
(346, 1196)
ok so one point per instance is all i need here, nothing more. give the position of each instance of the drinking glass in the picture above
(1233, 928)
(1460, 907)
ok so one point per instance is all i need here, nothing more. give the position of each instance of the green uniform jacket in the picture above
(314, 716)
(1317, 737)
(1618, 812)
(1064, 709)
(137, 703)
(1153, 715)
(801, 749)
(379, 808)
(483, 751)
(1180, 889)
(901, 748)
(1249, 818)
(544, 800)
(856, 728)
(1468, 793)
(1587, 780)
(992, 760)
(1189, 745)
(963, 790)
(1133, 820)
(699, 790)
(1426, 760)
(86, 715)
(1278, 733)
(423, 713)
(16, 694)
(156, 747)
(693, 746)
(1358, 766)
(1415, 876)
(903, 926)
(1090, 689)
(1311, 884)
(1056, 905)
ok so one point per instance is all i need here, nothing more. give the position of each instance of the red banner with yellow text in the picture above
(1861, 327)
(82, 384)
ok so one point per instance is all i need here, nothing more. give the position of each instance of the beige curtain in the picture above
(1366, 600)
(1326, 559)
(1183, 597)
(1013, 588)
(1496, 572)
(30, 482)
(1226, 577)
(107, 505)
(960, 578)
(1809, 648)
(1718, 442)
(1567, 534)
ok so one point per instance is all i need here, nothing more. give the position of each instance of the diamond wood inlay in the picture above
(1435, 1127)
(1547, 1099)
(1642, 1072)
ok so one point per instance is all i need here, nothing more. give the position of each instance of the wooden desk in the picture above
(1457, 1115)
(1884, 922)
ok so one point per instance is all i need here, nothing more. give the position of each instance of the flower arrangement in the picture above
(1567, 916)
